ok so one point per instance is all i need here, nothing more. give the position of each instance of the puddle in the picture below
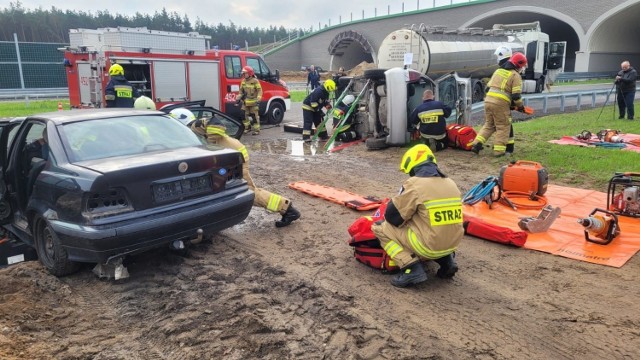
(296, 148)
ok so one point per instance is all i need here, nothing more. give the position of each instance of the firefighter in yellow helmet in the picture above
(214, 132)
(119, 93)
(250, 95)
(505, 93)
(312, 109)
(422, 222)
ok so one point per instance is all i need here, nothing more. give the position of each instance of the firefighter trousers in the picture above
(251, 118)
(309, 120)
(399, 244)
(266, 199)
(498, 120)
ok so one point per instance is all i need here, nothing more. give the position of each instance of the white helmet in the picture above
(144, 103)
(183, 115)
(503, 52)
(348, 99)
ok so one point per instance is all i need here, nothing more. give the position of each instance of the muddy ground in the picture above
(257, 292)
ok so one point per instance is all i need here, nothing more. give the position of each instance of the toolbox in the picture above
(524, 176)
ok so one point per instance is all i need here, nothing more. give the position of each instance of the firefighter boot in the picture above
(476, 148)
(288, 217)
(411, 275)
(510, 148)
(448, 266)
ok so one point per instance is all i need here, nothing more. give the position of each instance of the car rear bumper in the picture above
(104, 243)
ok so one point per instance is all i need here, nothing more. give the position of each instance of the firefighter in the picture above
(345, 134)
(250, 95)
(215, 133)
(430, 118)
(119, 93)
(422, 222)
(144, 103)
(312, 105)
(504, 94)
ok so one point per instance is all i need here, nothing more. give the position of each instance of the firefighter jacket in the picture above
(431, 207)
(339, 112)
(250, 91)
(119, 93)
(431, 117)
(318, 98)
(627, 82)
(505, 87)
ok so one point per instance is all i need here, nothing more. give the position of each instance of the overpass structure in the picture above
(600, 34)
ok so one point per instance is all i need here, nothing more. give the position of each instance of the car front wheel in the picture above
(275, 113)
(50, 252)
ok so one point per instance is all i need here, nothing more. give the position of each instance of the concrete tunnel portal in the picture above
(348, 49)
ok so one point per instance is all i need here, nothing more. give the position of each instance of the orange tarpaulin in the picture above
(566, 236)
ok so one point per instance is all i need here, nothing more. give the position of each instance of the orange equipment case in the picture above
(524, 176)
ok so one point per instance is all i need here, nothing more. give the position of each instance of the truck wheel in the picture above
(374, 74)
(50, 252)
(376, 143)
(540, 85)
(275, 113)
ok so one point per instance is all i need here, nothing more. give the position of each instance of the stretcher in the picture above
(338, 196)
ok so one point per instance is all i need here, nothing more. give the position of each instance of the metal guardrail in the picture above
(34, 93)
(572, 76)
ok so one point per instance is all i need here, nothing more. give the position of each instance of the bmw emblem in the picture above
(222, 172)
(182, 167)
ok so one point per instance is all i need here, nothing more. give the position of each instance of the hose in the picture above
(480, 191)
(508, 198)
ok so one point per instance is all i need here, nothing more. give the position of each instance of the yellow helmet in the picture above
(116, 69)
(330, 85)
(416, 155)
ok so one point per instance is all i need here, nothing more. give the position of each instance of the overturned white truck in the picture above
(461, 60)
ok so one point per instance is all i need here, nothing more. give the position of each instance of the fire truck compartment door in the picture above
(170, 80)
(204, 82)
(84, 82)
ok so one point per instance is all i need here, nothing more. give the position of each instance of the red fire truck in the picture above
(168, 67)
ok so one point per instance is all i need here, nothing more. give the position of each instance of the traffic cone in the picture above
(60, 106)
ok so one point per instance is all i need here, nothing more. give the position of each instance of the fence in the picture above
(26, 65)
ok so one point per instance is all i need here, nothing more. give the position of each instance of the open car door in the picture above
(234, 127)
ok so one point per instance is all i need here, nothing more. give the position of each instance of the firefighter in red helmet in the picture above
(504, 93)
(250, 95)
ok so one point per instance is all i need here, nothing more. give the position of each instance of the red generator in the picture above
(524, 176)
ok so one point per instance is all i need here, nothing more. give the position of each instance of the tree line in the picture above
(52, 26)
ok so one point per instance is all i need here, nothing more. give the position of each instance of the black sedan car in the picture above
(97, 185)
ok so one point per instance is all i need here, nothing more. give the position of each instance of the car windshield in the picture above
(127, 135)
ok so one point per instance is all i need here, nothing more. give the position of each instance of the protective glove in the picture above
(520, 108)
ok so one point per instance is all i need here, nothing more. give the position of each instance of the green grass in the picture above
(570, 165)
(584, 82)
(574, 165)
(23, 108)
(297, 95)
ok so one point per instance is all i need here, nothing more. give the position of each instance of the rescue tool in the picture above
(622, 194)
(542, 222)
(601, 224)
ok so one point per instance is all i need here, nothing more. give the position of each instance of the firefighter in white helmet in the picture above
(214, 132)
(250, 95)
(504, 93)
(144, 103)
(422, 222)
(345, 133)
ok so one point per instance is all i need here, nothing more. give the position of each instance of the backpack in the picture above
(366, 247)
(460, 136)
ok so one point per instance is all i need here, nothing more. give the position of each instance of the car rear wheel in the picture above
(50, 252)
(275, 113)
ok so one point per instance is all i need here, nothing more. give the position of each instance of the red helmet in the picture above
(518, 60)
(248, 70)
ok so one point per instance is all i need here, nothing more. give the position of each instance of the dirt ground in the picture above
(257, 292)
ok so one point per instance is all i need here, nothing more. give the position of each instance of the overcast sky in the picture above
(249, 13)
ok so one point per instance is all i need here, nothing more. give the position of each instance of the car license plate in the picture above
(180, 189)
